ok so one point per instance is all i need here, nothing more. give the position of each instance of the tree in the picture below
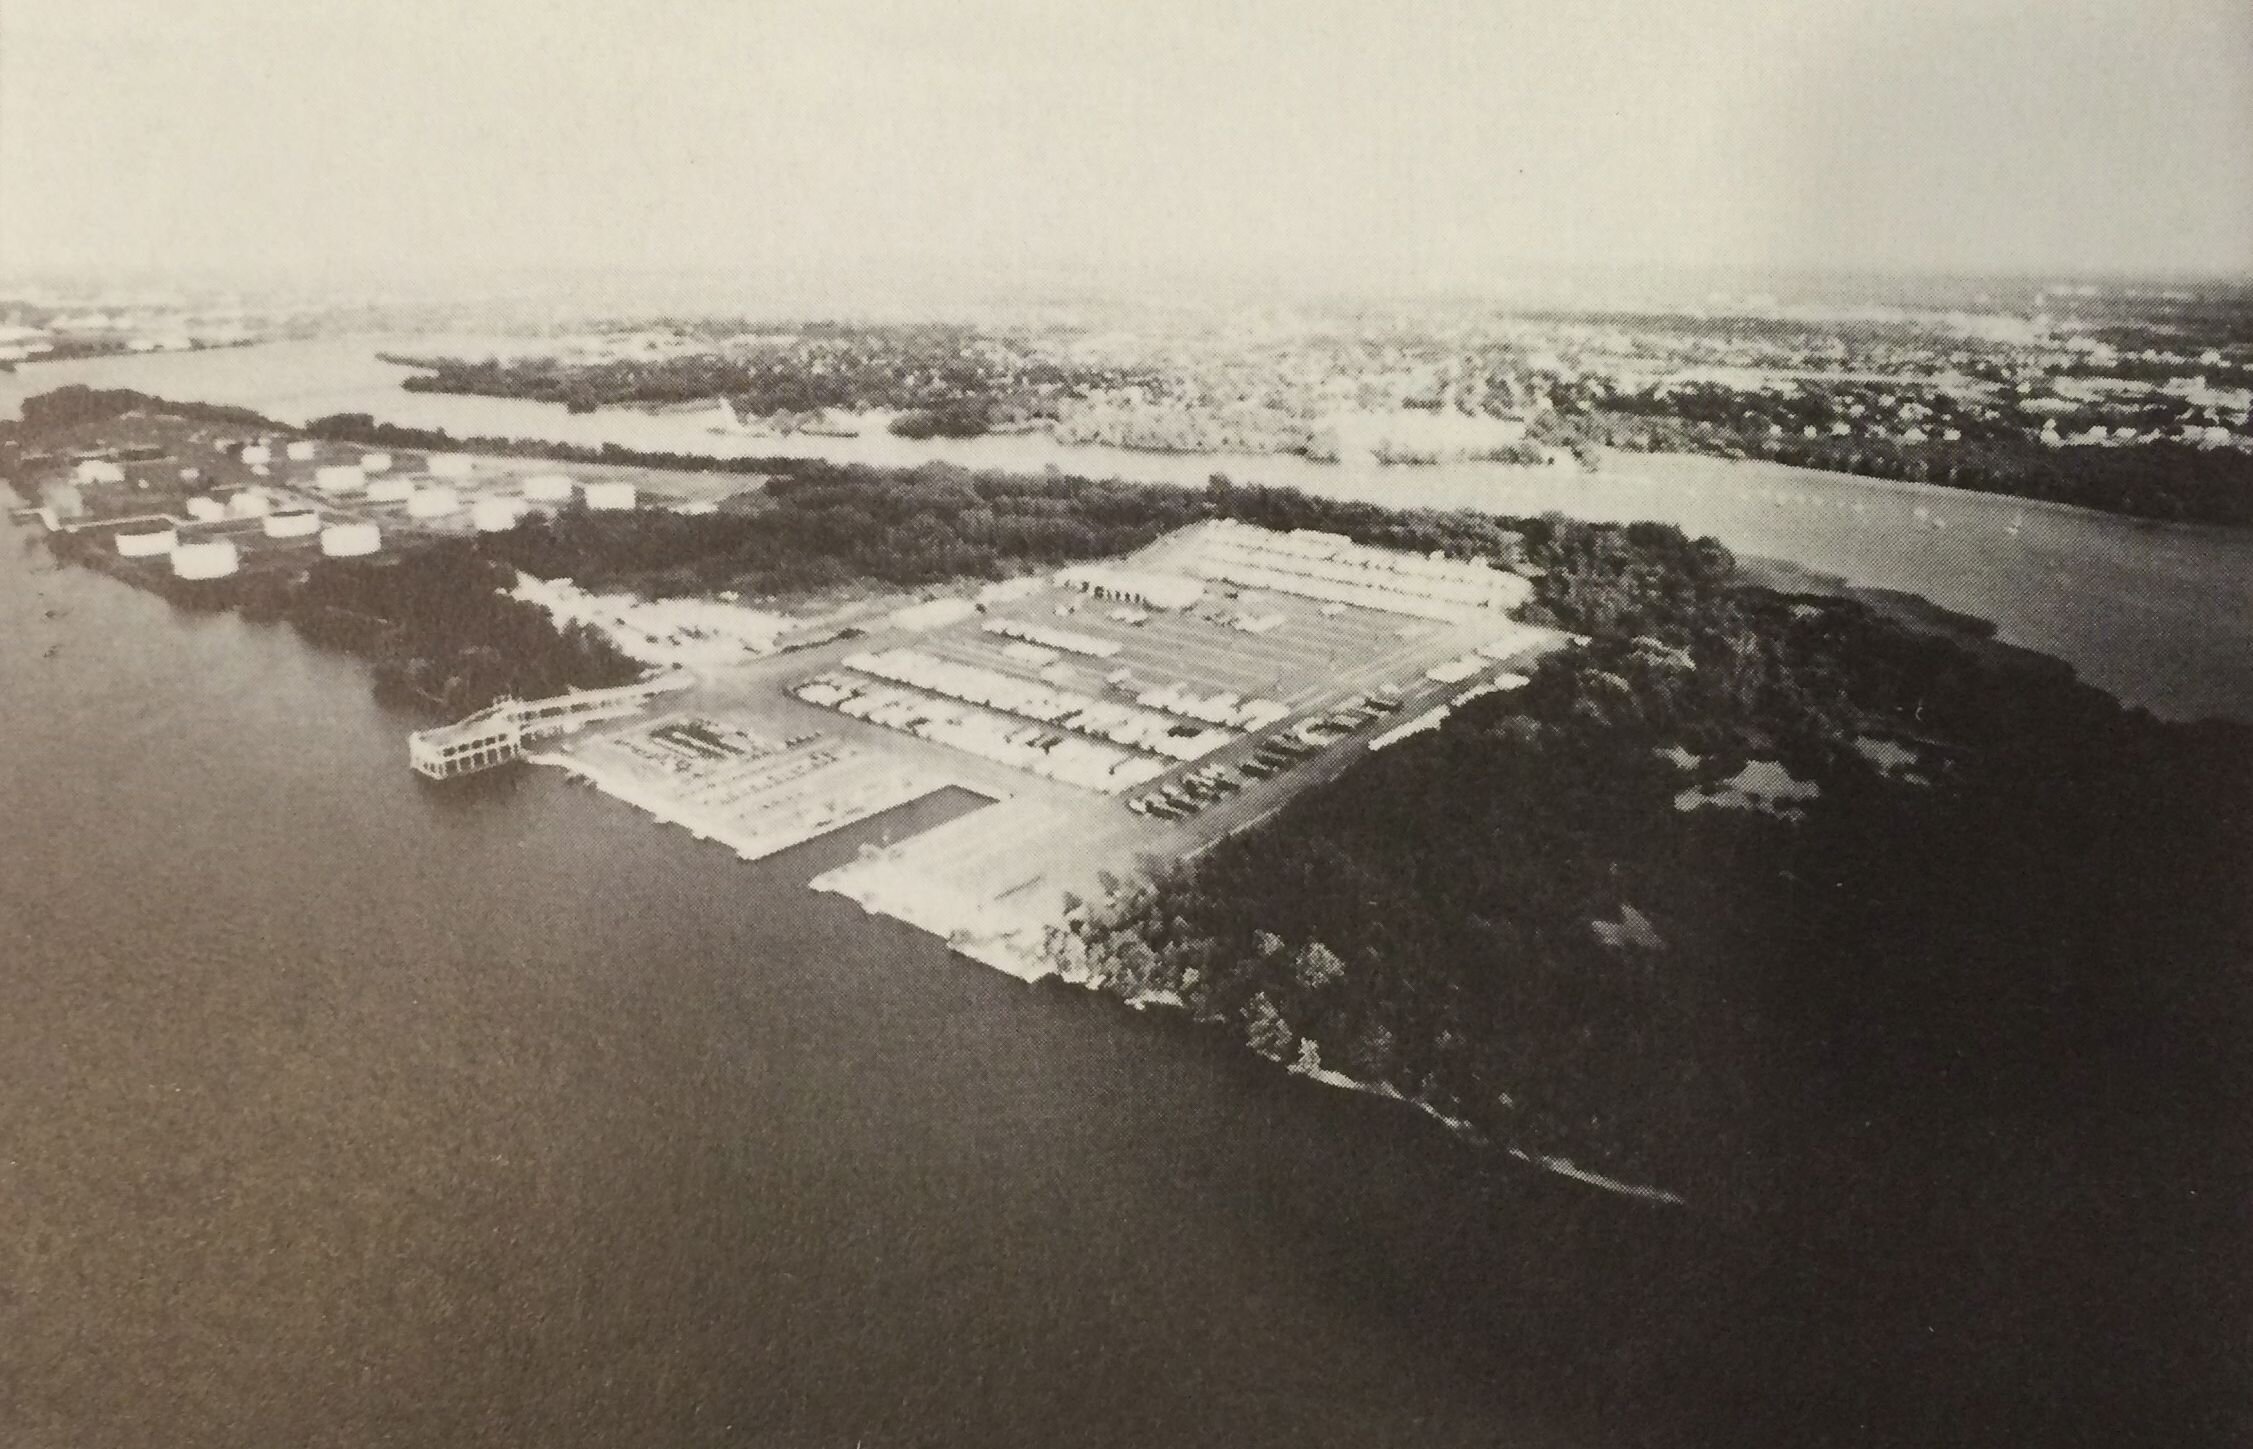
(1317, 966)
(1265, 1030)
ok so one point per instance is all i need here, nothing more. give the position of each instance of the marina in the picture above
(1148, 724)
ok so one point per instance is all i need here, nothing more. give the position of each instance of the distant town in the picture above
(2126, 399)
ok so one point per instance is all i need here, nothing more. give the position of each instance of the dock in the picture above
(498, 734)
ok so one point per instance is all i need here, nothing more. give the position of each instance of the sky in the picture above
(1402, 141)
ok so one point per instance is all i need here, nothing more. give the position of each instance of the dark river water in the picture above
(337, 1109)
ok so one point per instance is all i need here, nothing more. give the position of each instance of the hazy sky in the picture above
(1416, 141)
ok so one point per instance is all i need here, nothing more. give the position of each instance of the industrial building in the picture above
(1171, 592)
(146, 545)
(350, 540)
(210, 559)
(432, 503)
(493, 515)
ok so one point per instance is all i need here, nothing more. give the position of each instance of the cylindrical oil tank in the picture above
(302, 451)
(257, 454)
(350, 540)
(250, 503)
(610, 495)
(206, 510)
(375, 462)
(432, 502)
(211, 559)
(338, 478)
(147, 545)
(494, 514)
(450, 465)
(390, 490)
(548, 488)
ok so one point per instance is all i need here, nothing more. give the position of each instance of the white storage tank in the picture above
(97, 470)
(432, 503)
(293, 523)
(191, 475)
(250, 503)
(262, 470)
(450, 465)
(350, 540)
(206, 510)
(375, 462)
(212, 559)
(257, 454)
(301, 451)
(495, 514)
(338, 478)
(610, 495)
(548, 488)
(389, 490)
(147, 545)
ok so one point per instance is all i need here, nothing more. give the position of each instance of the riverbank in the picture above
(361, 1078)
(2153, 613)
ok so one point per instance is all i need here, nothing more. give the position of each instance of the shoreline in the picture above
(936, 448)
(1550, 1163)
(901, 790)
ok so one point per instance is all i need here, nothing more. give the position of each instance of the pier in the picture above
(497, 734)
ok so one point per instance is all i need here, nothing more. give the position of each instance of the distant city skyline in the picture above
(1421, 146)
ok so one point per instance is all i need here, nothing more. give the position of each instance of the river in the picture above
(2159, 614)
(344, 1110)
(341, 1110)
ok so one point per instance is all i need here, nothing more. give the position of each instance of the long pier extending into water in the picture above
(498, 733)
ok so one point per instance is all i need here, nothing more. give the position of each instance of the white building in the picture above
(147, 545)
(548, 488)
(98, 470)
(494, 515)
(211, 559)
(206, 510)
(610, 496)
(1156, 591)
(432, 502)
(350, 540)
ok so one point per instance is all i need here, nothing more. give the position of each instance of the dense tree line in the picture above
(77, 404)
(954, 373)
(833, 524)
(438, 627)
(2048, 919)
(363, 428)
(2165, 478)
